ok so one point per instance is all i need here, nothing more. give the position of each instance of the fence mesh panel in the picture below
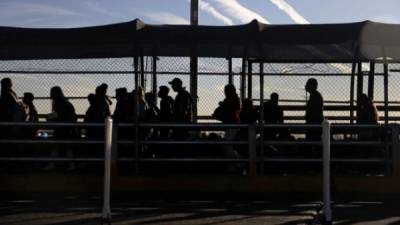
(80, 77)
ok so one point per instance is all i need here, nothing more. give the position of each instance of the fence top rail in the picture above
(190, 125)
(50, 124)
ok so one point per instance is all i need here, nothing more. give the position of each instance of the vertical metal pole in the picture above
(114, 150)
(194, 21)
(352, 79)
(154, 78)
(360, 80)
(136, 98)
(243, 81)
(252, 149)
(142, 78)
(386, 91)
(250, 80)
(106, 214)
(230, 72)
(371, 80)
(262, 117)
(326, 144)
(194, 12)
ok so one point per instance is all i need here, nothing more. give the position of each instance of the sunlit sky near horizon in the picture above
(77, 13)
(73, 13)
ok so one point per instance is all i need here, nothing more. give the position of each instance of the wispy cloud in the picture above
(95, 7)
(290, 11)
(207, 7)
(34, 9)
(165, 17)
(238, 11)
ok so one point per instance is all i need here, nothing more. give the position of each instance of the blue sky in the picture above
(72, 13)
(76, 13)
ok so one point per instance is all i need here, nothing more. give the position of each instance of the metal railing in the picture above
(390, 142)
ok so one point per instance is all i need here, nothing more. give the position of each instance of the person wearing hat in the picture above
(182, 108)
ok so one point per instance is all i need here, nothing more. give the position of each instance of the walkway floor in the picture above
(70, 209)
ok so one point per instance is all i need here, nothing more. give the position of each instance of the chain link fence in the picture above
(80, 77)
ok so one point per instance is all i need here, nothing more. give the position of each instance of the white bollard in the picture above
(326, 148)
(106, 215)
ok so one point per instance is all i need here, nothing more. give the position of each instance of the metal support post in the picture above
(326, 147)
(249, 80)
(243, 80)
(230, 72)
(154, 77)
(352, 79)
(114, 150)
(252, 149)
(106, 214)
(262, 117)
(386, 91)
(371, 80)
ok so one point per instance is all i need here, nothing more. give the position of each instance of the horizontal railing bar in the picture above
(185, 159)
(358, 143)
(47, 141)
(50, 159)
(361, 160)
(292, 143)
(195, 142)
(50, 124)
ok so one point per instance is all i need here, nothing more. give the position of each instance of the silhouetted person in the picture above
(134, 109)
(228, 110)
(166, 107)
(62, 111)
(121, 108)
(11, 110)
(182, 110)
(229, 113)
(102, 103)
(9, 105)
(91, 117)
(28, 101)
(151, 114)
(32, 115)
(314, 109)
(366, 114)
(273, 114)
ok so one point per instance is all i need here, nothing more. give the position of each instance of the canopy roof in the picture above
(363, 41)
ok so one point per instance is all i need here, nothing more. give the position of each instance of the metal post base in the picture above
(105, 221)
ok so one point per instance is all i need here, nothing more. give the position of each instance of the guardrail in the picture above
(390, 142)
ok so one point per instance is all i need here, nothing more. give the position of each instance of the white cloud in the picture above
(207, 7)
(165, 17)
(290, 11)
(93, 6)
(34, 9)
(238, 11)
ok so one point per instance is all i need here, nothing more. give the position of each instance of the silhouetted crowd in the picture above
(137, 106)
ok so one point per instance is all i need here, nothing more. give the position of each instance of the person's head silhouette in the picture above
(274, 98)
(28, 98)
(163, 91)
(176, 84)
(311, 85)
(230, 91)
(6, 84)
(56, 93)
(91, 98)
